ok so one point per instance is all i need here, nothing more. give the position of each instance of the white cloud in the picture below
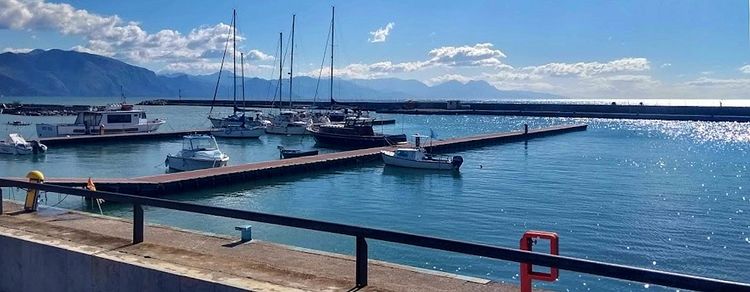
(665, 65)
(258, 55)
(16, 50)
(380, 34)
(745, 69)
(482, 54)
(712, 82)
(587, 69)
(448, 77)
(111, 36)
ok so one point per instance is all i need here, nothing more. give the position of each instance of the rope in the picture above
(320, 73)
(221, 68)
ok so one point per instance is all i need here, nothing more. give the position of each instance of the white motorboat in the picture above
(417, 157)
(198, 152)
(17, 145)
(125, 119)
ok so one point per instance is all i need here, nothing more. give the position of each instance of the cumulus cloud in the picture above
(745, 69)
(258, 55)
(380, 34)
(111, 36)
(587, 69)
(482, 54)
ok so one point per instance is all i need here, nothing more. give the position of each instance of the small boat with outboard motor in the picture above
(17, 145)
(198, 152)
(418, 157)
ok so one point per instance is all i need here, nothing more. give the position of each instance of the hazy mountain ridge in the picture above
(70, 73)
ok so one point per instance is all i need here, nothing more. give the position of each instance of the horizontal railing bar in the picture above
(616, 271)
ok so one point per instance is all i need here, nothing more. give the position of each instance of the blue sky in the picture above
(643, 48)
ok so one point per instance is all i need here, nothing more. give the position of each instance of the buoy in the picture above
(32, 195)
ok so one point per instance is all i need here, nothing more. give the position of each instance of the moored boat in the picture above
(292, 153)
(198, 152)
(124, 119)
(353, 133)
(417, 157)
(17, 145)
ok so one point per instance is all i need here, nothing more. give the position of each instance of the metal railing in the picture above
(361, 234)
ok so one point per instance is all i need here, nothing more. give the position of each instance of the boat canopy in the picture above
(199, 143)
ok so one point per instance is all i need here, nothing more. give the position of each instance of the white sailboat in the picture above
(288, 122)
(238, 124)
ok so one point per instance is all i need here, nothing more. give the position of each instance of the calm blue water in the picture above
(665, 195)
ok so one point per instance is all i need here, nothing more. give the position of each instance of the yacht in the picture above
(114, 120)
(198, 152)
(17, 145)
(417, 157)
(352, 133)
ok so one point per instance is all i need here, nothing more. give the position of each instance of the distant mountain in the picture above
(71, 73)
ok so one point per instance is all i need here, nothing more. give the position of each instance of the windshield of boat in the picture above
(199, 144)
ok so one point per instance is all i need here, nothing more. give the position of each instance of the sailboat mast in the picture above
(291, 64)
(242, 69)
(333, 37)
(281, 66)
(234, 58)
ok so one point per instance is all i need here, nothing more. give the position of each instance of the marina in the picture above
(159, 185)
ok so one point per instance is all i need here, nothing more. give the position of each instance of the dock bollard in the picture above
(246, 232)
(525, 129)
(32, 195)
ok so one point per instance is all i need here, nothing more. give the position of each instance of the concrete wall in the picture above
(32, 266)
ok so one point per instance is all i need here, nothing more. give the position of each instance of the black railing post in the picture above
(1, 201)
(361, 261)
(137, 223)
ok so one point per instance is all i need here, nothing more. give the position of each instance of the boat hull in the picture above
(51, 130)
(355, 141)
(187, 164)
(297, 153)
(390, 159)
(237, 132)
(282, 130)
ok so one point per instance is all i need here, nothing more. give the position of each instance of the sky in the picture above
(583, 48)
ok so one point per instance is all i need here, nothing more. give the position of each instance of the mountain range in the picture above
(71, 73)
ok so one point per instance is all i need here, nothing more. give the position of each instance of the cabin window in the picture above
(143, 115)
(118, 119)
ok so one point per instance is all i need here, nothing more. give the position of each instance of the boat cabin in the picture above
(351, 126)
(199, 143)
(94, 118)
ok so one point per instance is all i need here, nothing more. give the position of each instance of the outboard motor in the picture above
(456, 161)
(37, 147)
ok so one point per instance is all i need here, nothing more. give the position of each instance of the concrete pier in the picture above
(158, 185)
(58, 250)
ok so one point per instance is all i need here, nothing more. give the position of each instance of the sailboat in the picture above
(238, 124)
(288, 122)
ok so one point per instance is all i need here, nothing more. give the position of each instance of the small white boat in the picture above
(117, 119)
(17, 145)
(198, 152)
(417, 157)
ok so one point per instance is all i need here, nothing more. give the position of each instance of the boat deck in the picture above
(157, 185)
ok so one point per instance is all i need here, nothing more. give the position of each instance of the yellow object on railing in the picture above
(32, 195)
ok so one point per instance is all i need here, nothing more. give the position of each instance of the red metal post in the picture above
(527, 270)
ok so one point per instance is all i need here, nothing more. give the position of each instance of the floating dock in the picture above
(158, 185)
(79, 139)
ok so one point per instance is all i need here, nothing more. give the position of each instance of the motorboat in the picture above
(288, 123)
(417, 157)
(113, 120)
(198, 152)
(292, 153)
(353, 133)
(17, 145)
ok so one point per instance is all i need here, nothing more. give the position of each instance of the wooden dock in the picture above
(68, 140)
(158, 185)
